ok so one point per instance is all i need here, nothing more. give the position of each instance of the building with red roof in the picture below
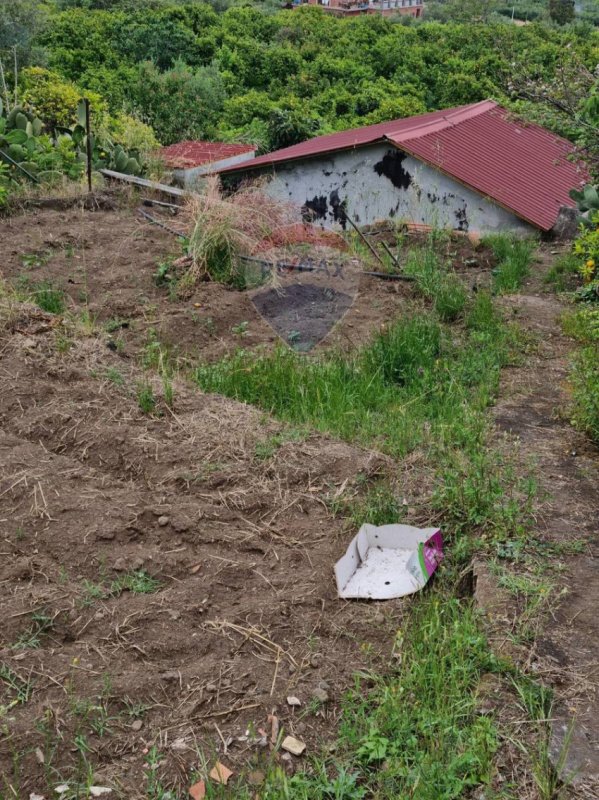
(386, 8)
(475, 168)
(191, 159)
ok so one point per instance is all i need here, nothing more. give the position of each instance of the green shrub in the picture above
(584, 379)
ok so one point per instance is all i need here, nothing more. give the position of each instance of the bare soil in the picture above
(533, 413)
(243, 548)
(226, 509)
(106, 263)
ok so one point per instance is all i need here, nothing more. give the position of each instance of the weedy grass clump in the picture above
(437, 281)
(224, 228)
(44, 294)
(514, 255)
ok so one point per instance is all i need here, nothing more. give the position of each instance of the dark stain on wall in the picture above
(391, 166)
(338, 208)
(432, 197)
(316, 208)
(462, 218)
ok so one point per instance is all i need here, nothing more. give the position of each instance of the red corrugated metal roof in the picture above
(343, 140)
(183, 155)
(520, 166)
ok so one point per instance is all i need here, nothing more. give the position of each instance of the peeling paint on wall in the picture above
(375, 183)
(391, 166)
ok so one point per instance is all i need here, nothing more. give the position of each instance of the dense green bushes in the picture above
(277, 78)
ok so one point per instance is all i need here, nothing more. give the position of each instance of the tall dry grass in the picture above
(223, 228)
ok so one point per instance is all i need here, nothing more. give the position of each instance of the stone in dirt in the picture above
(288, 764)
(198, 791)
(220, 774)
(256, 778)
(99, 791)
(163, 520)
(321, 695)
(136, 725)
(293, 701)
(293, 745)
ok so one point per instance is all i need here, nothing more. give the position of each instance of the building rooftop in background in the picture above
(189, 161)
(521, 167)
(386, 8)
(185, 155)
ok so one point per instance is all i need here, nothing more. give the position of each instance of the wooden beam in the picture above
(174, 191)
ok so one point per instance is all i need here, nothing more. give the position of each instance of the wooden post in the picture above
(364, 239)
(88, 144)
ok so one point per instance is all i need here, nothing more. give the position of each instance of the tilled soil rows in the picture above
(244, 611)
(165, 580)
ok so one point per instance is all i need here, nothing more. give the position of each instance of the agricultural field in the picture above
(181, 466)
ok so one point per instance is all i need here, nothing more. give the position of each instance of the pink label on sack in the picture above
(432, 553)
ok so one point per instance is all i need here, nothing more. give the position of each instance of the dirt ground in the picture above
(167, 580)
(221, 515)
(106, 262)
(533, 412)
(243, 546)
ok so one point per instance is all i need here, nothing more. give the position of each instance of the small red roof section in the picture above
(184, 155)
(520, 166)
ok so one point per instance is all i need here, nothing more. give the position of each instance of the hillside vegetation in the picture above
(189, 71)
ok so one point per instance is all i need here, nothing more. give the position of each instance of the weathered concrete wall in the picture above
(380, 182)
(190, 177)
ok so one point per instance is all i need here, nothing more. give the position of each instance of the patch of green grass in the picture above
(36, 260)
(379, 505)
(41, 624)
(536, 701)
(536, 595)
(113, 375)
(92, 592)
(584, 382)
(45, 295)
(582, 324)
(480, 495)
(242, 329)
(137, 582)
(146, 399)
(115, 324)
(450, 299)
(417, 731)
(513, 256)
(564, 274)
(437, 282)
(18, 688)
(417, 382)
